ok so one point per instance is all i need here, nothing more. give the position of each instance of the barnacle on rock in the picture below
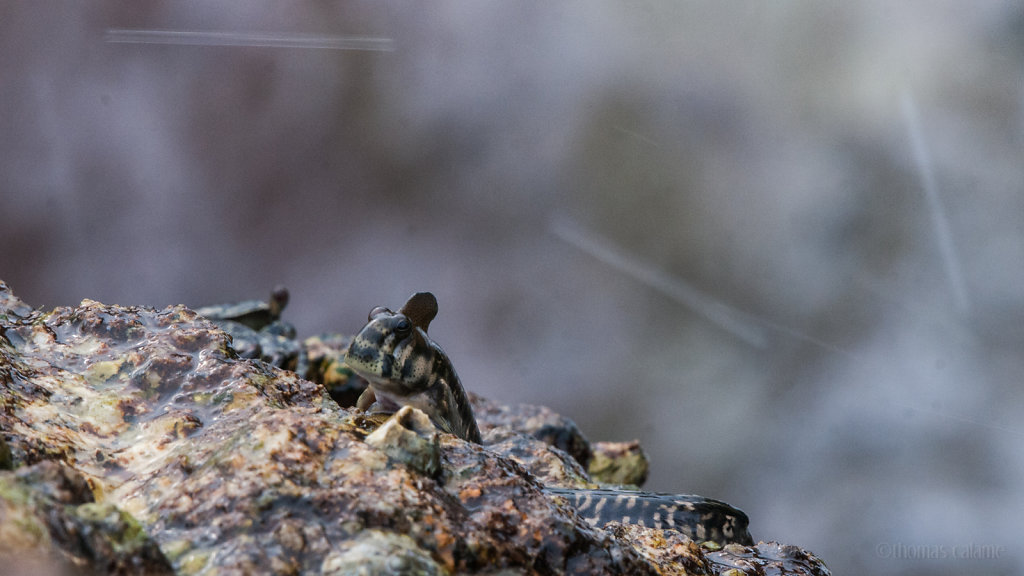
(410, 437)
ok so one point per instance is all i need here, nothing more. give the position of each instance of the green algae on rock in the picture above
(49, 523)
(619, 463)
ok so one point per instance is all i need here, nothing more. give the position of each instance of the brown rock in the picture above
(142, 425)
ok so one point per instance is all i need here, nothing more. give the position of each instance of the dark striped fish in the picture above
(695, 516)
(406, 368)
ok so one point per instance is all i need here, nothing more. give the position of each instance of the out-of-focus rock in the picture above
(540, 422)
(618, 463)
(49, 523)
(326, 365)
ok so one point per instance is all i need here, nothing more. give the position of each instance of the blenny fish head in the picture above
(392, 351)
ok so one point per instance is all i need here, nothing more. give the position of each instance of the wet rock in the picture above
(377, 553)
(158, 432)
(768, 558)
(50, 524)
(540, 422)
(673, 553)
(231, 464)
(10, 305)
(670, 552)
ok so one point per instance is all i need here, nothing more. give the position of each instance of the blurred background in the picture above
(781, 244)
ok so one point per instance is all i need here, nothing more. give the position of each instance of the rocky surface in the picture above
(138, 441)
(51, 524)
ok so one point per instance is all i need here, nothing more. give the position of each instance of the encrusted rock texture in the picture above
(136, 441)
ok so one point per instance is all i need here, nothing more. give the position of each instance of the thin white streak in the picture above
(940, 222)
(636, 135)
(709, 308)
(745, 326)
(801, 336)
(960, 419)
(257, 39)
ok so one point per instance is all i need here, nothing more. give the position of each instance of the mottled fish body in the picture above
(698, 517)
(404, 367)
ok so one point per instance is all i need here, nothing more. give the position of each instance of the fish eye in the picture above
(377, 312)
(403, 327)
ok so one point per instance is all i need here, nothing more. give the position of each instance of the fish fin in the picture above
(420, 309)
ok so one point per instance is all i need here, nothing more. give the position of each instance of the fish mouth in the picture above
(369, 363)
